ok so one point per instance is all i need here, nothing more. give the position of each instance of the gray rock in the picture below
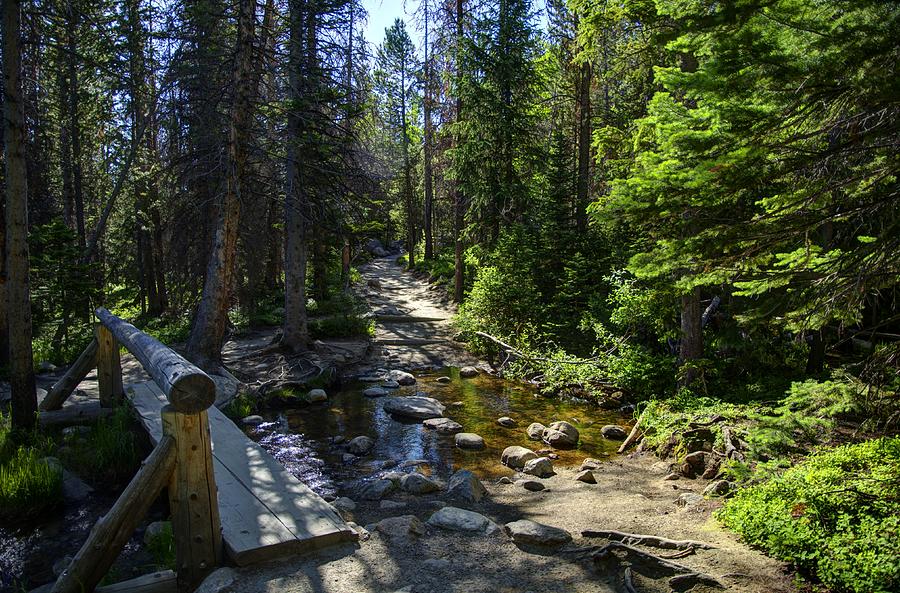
(414, 462)
(394, 477)
(416, 483)
(561, 435)
(376, 489)
(516, 457)
(155, 530)
(672, 476)
(402, 526)
(74, 488)
(586, 476)
(505, 480)
(254, 420)
(468, 372)
(506, 422)
(415, 407)
(402, 377)
(465, 486)
(688, 499)
(591, 463)
(360, 445)
(316, 395)
(46, 367)
(536, 534)
(443, 379)
(614, 433)
(219, 580)
(694, 464)
(391, 505)
(469, 440)
(362, 532)
(535, 431)
(344, 504)
(532, 485)
(390, 384)
(540, 467)
(348, 458)
(443, 425)
(375, 392)
(718, 488)
(455, 519)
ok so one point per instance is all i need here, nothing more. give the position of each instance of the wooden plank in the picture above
(188, 388)
(113, 530)
(66, 384)
(163, 581)
(109, 368)
(193, 498)
(265, 511)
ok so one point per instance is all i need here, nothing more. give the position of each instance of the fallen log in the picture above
(653, 541)
(66, 384)
(76, 414)
(163, 581)
(634, 436)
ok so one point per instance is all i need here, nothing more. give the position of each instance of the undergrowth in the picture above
(29, 484)
(107, 453)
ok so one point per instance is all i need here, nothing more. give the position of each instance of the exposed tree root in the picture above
(685, 577)
(635, 539)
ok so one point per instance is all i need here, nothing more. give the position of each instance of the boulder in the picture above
(376, 489)
(316, 395)
(718, 488)
(402, 377)
(456, 519)
(468, 372)
(344, 504)
(465, 486)
(536, 534)
(416, 483)
(614, 433)
(360, 445)
(561, 435)
(415, 407)
(516, 457)
(535, 431)
(506, 422)
(375, 392)
(540, 467)
(586, 476)
(531, 485)
(390, 384)
(694, 464)
(443, 425)
(402, 526)
(469, 440)
(156, 530)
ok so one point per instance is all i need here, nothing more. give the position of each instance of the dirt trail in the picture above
(630, 496)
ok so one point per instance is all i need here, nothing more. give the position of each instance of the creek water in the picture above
(303, 438)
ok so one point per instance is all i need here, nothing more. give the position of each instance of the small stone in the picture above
(535, 431)
(391, 505)
(344, 504)
(614, 433)
(390, 384)
(155, 530)
(443, 380)
(413, 463)
(362, 532)
(402, 377)
(465, 486)
(468, 372)
(506, 422)
(531, 485)
(505, 480)
(253, 420)
(718, 488)
(360, 445)
(687, 499)
(457, 404)
(672, 476)
(402, 526)
(539, 467)
(375, 392)
(443, 425)
(586, 476)
(561, 435)
(46, 367)
(316, 395)
(536, 534)
(456, 519)
(416, 483)
(376, 489)
(591, 463)
(694, 464)
(469, 440)
(516, 457)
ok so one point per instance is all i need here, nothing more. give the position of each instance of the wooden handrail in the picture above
(188, 388)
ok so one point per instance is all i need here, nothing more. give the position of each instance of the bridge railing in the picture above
(181, 461)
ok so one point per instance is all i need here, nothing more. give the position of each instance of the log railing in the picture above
(180, 462)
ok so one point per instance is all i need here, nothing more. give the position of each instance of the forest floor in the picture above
(630, 496)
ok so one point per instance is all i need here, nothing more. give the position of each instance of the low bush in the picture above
(835, 516)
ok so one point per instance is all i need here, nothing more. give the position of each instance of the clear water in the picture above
(302, 438)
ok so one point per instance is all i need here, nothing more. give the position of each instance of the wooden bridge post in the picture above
(193, 498)
(109, 368)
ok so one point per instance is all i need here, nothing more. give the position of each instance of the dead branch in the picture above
(634, 436)
(653, 541)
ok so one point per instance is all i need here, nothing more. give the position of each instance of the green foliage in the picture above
(243, 405)
(108, 453)
(29, 485)
(162, 548)
(835, 515)
(341, 326)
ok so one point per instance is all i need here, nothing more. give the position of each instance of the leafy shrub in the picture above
(341, 326)
(836, 516)
(162, 547)
(241, 406)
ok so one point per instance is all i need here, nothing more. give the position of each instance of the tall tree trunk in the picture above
(429, 141)
(208, 332)
(74, 123)
(691, 334)
(295, 335)
(584, 146)
(459, 199)
(24, 398)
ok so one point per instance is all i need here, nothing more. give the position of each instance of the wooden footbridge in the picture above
(227, 496)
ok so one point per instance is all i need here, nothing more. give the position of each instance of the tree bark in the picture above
(584, 146)
(74, 123)
(295, 335)
(208, 332)
(459, 199)
(691, 334)
(429, 141)
(24, 397)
